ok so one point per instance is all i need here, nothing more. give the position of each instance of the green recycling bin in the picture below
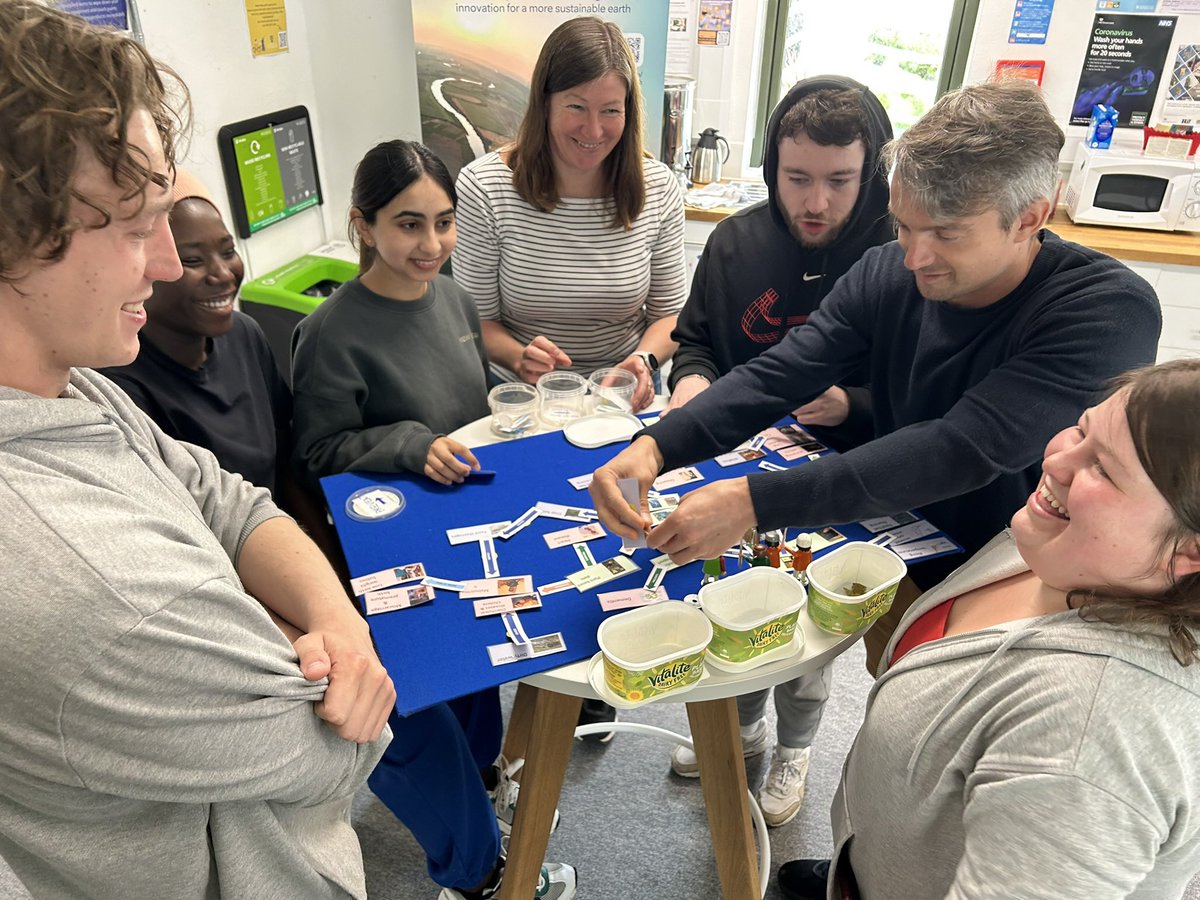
(279, 299)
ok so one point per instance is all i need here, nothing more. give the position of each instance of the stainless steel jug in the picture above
(707, 158)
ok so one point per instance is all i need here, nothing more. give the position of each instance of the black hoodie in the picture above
(754, 280)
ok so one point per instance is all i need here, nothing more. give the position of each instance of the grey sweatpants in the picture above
(798, 707)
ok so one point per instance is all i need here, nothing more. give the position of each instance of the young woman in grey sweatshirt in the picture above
(1042, 741)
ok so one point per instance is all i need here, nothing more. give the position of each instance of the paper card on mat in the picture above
(542, 645)
(386, 578)
(737, 457)
(472, 533)
(631, 598)
(906, 534)
(568, 536)
(487, 553)
(602, 573)
(918, 549)
(494, 606)
(497, 587)
(566, 513)
(579, 482)
(443, 584)
(391, 599)
(677, 477)
(555, 587)
(518, 523)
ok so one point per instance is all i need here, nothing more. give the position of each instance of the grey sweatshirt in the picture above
(156, 736)
(377, 380)
(1043, 758)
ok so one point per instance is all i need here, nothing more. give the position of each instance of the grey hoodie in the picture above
(1043, 758)
(156, 736)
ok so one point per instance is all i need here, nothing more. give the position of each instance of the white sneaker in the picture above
(684, 762)
(556, 881)
(783, 792)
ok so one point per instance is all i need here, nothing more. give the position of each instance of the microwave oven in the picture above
(1126, 188)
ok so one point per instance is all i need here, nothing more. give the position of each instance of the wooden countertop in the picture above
(1135, 244)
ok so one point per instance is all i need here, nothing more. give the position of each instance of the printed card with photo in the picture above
(826, 537)
(496, 587)
(677, 477)
(566, 513)
(494, 606)
(737, 457)
(391, 599)
(568, 536)
(661, 501)
(386, 578)
(631, 598)
(602, 573)
(542, 645)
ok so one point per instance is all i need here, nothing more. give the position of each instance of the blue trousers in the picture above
(429, 779)
(482, 722)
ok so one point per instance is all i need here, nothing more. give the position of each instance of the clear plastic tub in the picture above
(653, 650)
(563, 398)
(753, 615)
(514, 409)
(612, 390)
(853, 586)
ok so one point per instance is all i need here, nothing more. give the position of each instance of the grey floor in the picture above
(629, 826)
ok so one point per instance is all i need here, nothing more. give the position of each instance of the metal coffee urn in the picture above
(678, 93)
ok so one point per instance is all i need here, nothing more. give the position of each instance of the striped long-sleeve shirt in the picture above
(569, 274)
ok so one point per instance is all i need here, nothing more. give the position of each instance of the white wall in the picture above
(1064, 50)
(351, 63)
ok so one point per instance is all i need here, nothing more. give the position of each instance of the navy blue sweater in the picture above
(964, 400)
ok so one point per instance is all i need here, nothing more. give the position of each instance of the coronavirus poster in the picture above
(475, 59)
(1125, 60)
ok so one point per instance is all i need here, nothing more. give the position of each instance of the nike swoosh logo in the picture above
(808, 277)
(758, 314)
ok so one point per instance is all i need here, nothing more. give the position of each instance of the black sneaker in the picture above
(593, 712)
(804, 879)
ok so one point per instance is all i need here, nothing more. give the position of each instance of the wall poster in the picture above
(1125, 59)
(474, 62)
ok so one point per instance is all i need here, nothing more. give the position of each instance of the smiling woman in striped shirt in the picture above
(570, 238)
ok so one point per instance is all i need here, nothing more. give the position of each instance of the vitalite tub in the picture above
(853, 586)
(753, 615)
(653, 650)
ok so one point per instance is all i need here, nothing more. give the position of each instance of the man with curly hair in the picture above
(160, 736)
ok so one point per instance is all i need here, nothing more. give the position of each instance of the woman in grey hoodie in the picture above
(1033, 731)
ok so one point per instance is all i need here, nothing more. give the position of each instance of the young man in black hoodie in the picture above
(765, 269)
(762, 272)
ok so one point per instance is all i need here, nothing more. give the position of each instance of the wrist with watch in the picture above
(648, 358)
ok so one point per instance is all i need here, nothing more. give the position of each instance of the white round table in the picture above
(542, 727)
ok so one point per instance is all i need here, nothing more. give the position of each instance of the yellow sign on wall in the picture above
(268, 26)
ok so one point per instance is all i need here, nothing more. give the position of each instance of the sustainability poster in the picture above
(474, 62)
(1125, 60)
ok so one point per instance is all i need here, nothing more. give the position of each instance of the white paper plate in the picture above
(606, 428)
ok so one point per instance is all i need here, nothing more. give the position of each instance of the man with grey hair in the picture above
(983, 334)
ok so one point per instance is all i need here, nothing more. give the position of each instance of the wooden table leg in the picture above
(723, 780)
(551, 732)
(520, 720)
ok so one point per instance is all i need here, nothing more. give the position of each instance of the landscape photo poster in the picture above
(1125, 61)
(475, 60)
